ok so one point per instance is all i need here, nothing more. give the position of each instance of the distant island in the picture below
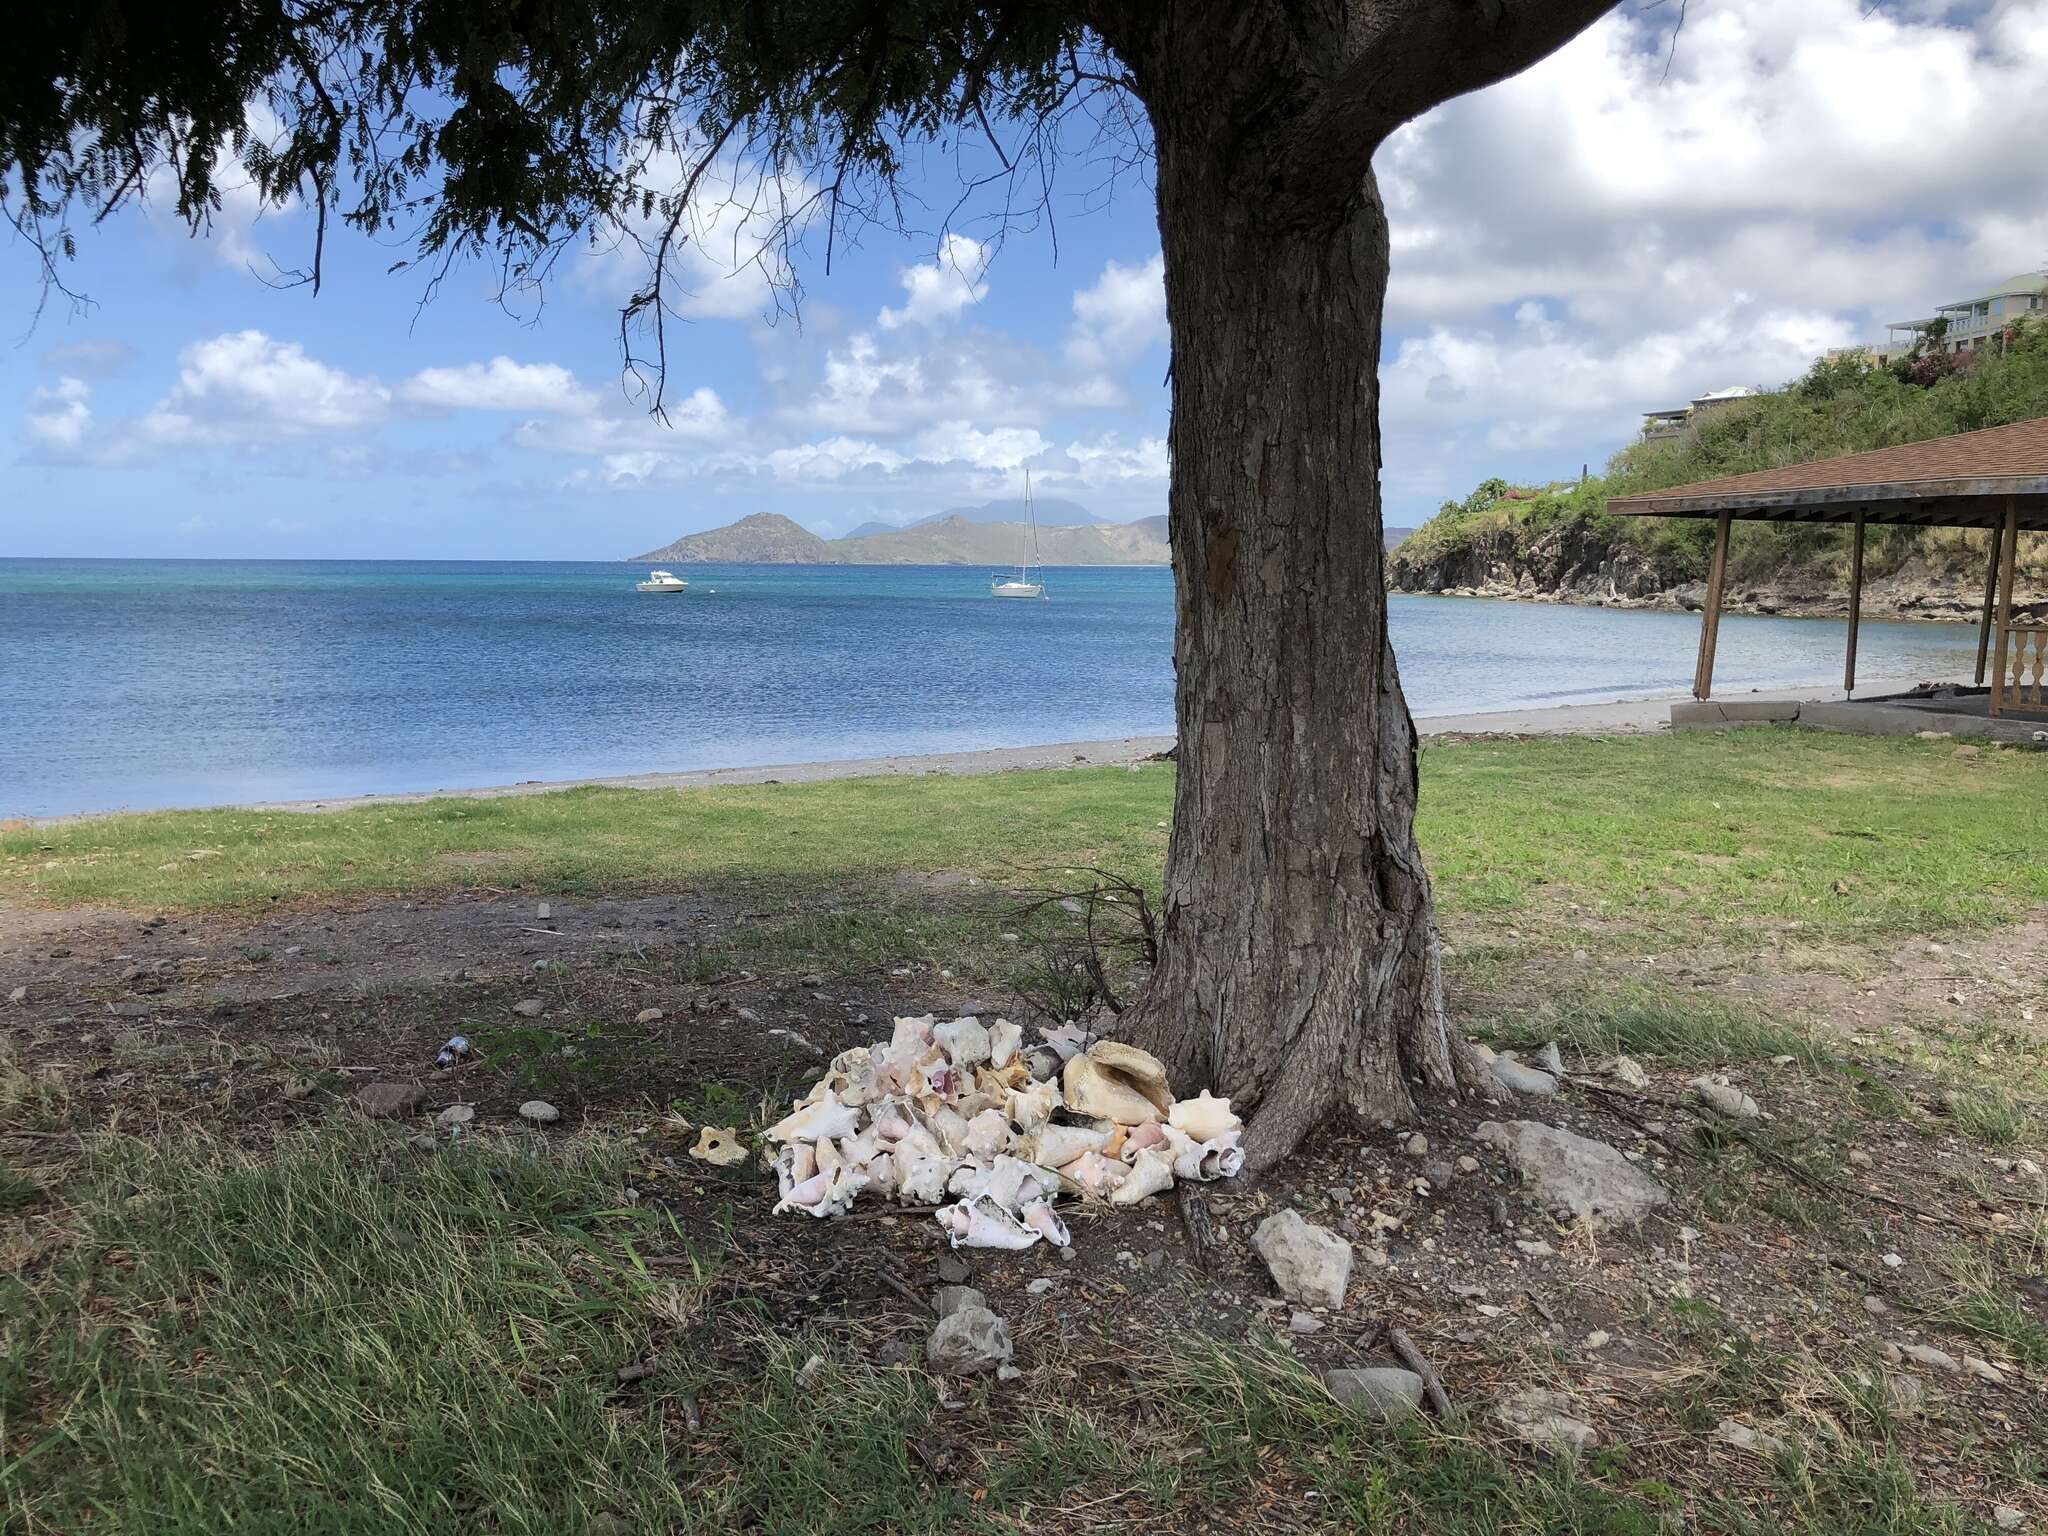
(959, 537)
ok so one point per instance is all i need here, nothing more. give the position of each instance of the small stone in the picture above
(18, 995)
(649, 1016)
(1983, 1370)
(1009, 1373)
(1726, 1099)
(1587, 1178)
(1740, 1435)
(1546, 1420)
(1630, 1073)
(2006, 1518)
(1383, 1393)
(1416, 1145)
(539, 1111)
(948, 1299)
(1905, 1394)
(1875, 1307)
(1550, 1059)
(1524, 1080)
(455, 1116)
(1893, 1261)
(640, 1370)
(1439, 1173)
(1928, 1355)
(748, 1014)
(953, 1268)
(1535, 1250)
(1304, 1322)
(1599, 1338)
(388, 1101)
(298, 1086)
(969, 1340)
(1308, 1263)
(1468, 1165)
(1858, 1158)
(545, 912)
(1041, 1285)
(1156, 1259)
(528, 1007)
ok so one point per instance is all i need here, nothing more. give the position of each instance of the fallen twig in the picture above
(1432, 1384)
(1194, 1216)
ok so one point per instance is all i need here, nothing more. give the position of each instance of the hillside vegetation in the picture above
(1840, 406)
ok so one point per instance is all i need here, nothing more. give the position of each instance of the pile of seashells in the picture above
(961, 1116)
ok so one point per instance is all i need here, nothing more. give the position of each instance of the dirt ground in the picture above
(1777, 1291)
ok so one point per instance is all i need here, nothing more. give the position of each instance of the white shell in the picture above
(1004, 1039)
(1092, 1089)
(826, 1117)
(1204, 1117)
(1094, 1175)
(718, 1145)
(1059, 1145)
(988, 1135)
(1151, 1172)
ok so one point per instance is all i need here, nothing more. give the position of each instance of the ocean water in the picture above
(164, 683)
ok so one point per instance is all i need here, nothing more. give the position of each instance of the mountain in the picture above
(1394, 536)
(868, 527)
(766, 538)
(1051, 513)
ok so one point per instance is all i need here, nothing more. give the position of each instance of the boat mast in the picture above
(1032, 518)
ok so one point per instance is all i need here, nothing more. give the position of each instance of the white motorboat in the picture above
(662, 581)
(1021, 585)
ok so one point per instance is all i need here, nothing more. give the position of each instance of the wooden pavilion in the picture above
(1996, 480)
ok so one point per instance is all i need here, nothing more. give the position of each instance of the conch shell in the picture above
(826, 1117)
(716, 1144)
(1116, 1082)
(1151, 1172)
(1004, 1040)
(1203, 1118)
(1058, 1145)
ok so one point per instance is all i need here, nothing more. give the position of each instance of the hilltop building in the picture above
(1659, 425)
(1966, 324)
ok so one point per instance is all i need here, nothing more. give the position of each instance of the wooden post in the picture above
(2007, 559)
(1990, 598)
(1855, 602)
(1710, 623)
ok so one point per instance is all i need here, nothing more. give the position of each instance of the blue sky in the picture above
(1571, 248)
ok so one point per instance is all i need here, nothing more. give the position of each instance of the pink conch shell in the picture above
(1094, 1175)
(1151, 1172)
(826, 1117)
(988, 1134)
(892, 1123)
(1004, 1043)
(1059, 1145)
(1040, 1216)
(982, 1223)
(1197, 1161)
(921, 1180)
(911, 1038)
(1203, 1118)
(1139, 1137)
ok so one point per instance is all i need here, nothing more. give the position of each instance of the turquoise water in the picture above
(161, 683)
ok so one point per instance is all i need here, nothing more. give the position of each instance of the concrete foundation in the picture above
(1960, 712)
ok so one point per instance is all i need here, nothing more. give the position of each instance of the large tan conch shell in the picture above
(1203, 1118)
(716, 1144)
(1151, 1172)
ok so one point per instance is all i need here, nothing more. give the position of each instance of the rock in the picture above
(1009, 1373)
(528, 1007)
(1309, 1264)
(1904, 1393)
(1983, 1370)
(1551, 1059)
(1439, 1173)
(2006, 1518)
(18, 995)
(953, 1268)
(969, 1340)
(387, 1101)
(1468, 1165)
(1528, 1081)
(1928, 1355)
(455, 1116)
(1416, 1145)
(298, 1086)
(1858, 1158)
(1632, 1075)
(649, 1016)
(948, 1299)
(1304, 1322)
(1742, 1437)
(1041, 1285)
(1546, 1420)
(1536, 1250)
(1380, 1392)
(539, 1111)
(1726, 1099)
(1875, 1307)
(1599, 1338)
(1589, 1179)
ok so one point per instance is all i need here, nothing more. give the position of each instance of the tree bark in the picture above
(1299, 963)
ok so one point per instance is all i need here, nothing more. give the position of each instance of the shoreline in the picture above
(1617, 717)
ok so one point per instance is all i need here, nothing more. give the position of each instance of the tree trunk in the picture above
(1298, 970)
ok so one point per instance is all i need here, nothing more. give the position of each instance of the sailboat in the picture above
(1021, 585)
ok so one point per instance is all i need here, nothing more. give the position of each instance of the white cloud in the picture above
(1119, 315)
(244, 385)
(500, 385)
(942, 288)
(962, 442)
(60, 418)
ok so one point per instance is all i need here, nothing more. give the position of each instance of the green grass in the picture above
(1751, 833)
(1655, 1024)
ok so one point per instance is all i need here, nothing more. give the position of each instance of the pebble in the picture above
(1041, 1285)
(1983, 1370)
(1875, 1307)
(953, 1268)
(1599, 1338)
(1381, 1392)
(539, 1111)
(1551, 1060)
(2006, 1518)
(455, 1116)
(1524, 1080)
(1893, 1261)
(972, 1339)
(1631, 1073)
(1304, 1322)
(1416, 1145)
(1308, 1263)
(388, 1101)
(1468, 1165)
(649, 1016)
(1546, 1420)
(1927, 1354)
(1740, 1435)
(1858, 1158)
(1535, 1250)
(18, 995)
(1726, 1099)
(528, 1007)
(545, 912)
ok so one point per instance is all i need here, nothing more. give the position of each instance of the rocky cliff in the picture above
(766, 538)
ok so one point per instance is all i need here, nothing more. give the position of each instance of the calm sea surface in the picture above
(161, 683)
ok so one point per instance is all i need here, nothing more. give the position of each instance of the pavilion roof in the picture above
(1964, 481)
